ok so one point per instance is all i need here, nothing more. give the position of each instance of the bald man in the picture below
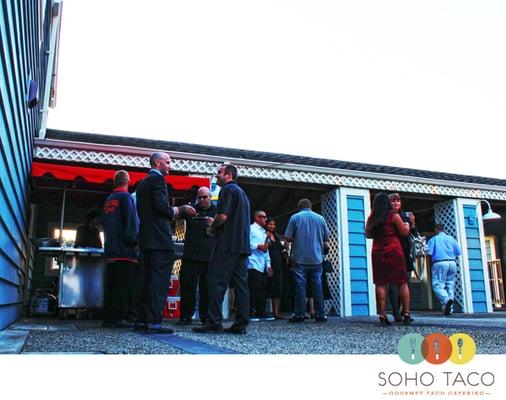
(155, 238)
(197, 253)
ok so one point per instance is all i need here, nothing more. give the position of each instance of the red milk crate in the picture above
(174, 286)
(172, 307)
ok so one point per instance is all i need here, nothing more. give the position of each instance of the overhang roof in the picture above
(101, 175)
(230, 153)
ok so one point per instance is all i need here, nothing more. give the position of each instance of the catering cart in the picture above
(81, 276)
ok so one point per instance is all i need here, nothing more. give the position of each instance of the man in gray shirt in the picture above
(308, 233)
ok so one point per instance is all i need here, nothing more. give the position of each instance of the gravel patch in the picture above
(337, 337)
(357, 335)
(95, 340)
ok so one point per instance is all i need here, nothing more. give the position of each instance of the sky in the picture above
(403, 83)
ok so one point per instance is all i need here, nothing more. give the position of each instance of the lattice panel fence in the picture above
(179, 232)
(330, 211)
(445, 214)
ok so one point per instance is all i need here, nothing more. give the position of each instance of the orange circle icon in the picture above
(436, 348)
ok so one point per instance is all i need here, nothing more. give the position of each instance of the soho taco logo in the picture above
(436, 349)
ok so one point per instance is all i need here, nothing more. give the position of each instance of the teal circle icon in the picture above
(410, 348)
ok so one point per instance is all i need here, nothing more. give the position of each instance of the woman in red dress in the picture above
(385, 227)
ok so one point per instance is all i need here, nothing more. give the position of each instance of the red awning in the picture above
(100, 175)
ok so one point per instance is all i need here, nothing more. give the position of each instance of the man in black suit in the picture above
(231, 227)
(155, 239)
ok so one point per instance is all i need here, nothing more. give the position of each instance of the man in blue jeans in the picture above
(308, 233)
(443, 251)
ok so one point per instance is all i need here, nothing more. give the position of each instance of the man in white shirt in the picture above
(259, 268)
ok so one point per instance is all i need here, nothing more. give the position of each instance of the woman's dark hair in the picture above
(380, 210)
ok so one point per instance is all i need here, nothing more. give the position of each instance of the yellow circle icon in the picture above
(463, 348)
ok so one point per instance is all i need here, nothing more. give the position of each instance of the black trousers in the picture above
(226, 268)
(257, 284)
(119, 288)
(193, 273)
(157, 271)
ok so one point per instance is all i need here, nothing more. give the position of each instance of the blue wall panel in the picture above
(475, 260)
(19, 61)
(358, 255)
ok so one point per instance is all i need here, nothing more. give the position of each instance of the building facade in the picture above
(343, 193)
(28, 43)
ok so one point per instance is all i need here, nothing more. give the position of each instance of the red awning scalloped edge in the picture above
(100, 175)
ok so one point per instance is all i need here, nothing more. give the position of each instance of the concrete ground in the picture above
(353, 335)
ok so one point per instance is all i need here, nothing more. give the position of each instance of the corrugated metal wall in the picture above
(23, 54)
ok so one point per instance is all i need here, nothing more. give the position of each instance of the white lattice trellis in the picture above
(445, 215)
(275, 172)
(329, 204)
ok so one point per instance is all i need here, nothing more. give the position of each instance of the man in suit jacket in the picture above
(155, 239)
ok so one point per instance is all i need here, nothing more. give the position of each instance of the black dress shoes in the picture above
(320, 318)
(208, 329)
(296, 319)
(236, 330)
(139, 326)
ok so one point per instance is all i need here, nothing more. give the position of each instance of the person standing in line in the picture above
(155, 238)
(259, 268)
(443, 252)
(309, 233)
(276, 250)
(230, 254)
(198, 246)
(121, 230)
(385, 227)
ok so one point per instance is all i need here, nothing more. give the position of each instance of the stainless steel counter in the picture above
(82, 274)
(81, 280)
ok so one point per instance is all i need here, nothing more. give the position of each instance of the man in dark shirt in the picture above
(231, 228)
(88, 235)
(121, 231)
(197, 252)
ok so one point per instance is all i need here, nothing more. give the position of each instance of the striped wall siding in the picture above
(475, 259)
(357, 255)
(20, 61)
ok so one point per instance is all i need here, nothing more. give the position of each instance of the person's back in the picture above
(121, 226)
(443, 251)
(443, 247)
(309, 231)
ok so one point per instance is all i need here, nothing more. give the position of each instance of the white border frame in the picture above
(345, 251)
(466, 277)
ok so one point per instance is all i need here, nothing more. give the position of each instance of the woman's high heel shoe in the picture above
(406, 319)
(384, 320)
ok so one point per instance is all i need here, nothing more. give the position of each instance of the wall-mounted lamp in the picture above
(490, 215)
